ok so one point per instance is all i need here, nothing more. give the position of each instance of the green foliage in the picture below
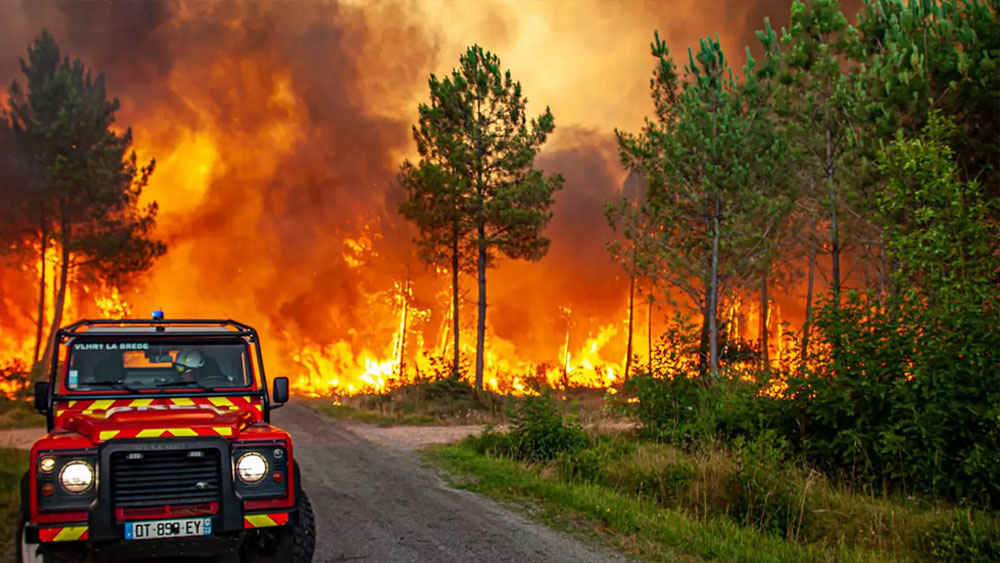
(581, 465)
(85, 183)
(941, 55)
(966, 537)
(717, 195)
(13, 464)
(909, 398)
(540, 432)
(475, 192)
(766, 491)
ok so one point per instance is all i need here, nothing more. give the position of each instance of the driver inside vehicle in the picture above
(193, 365)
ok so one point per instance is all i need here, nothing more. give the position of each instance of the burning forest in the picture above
(766, 233)
(277, 138)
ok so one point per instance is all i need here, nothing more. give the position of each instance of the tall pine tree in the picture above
(475, 193)
(86, 182)
(713, 207)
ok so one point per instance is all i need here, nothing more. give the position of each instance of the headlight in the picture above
(76, 476)
(251, 467)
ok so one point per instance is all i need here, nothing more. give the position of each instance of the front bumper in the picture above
(80, 531)
(102, 526)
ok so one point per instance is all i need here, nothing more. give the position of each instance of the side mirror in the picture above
(42, 397)
(279, 395)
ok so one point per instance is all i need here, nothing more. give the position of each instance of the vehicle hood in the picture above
(168, 422)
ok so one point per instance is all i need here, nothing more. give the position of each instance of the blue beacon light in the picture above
(158, 315)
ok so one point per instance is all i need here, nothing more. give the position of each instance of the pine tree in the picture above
(86, 184)
(475, 193)
(819, 96)
(712, 158)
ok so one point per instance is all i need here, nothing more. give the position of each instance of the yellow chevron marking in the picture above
(182, 402)
(151, 433)
(141, 402)
(108, 434)
(260, 520)
(70, 533)
(220, 401)
(71, 403)
(223, 430)
(182, 432)
(259, 407)
(101, 405)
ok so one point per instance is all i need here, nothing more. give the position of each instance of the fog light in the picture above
(47, 464)
(278, 477)
(48, 489)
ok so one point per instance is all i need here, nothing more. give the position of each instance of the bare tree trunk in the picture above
(713, 296)
(402, 335)
(631, 315)
(41, 295)
(481, 325)
(649, 330)
(765, 362)
(834, 228)
(60, 301)
(809, 301)
(454, 301)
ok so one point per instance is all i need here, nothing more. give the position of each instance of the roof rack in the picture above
(94, 325)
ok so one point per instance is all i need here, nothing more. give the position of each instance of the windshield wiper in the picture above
(183, 384)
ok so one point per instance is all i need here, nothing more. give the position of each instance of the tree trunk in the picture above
(713, 295)
(834, 228)
(41, 296)
(481, 324)
(765, 362)
(649, 330)
(454, 301)
(809, 301)
(402, 335)
(60, 301)
(631, 315)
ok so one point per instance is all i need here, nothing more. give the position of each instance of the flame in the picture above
(274, 180)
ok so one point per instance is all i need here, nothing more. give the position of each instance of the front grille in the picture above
(165, 477)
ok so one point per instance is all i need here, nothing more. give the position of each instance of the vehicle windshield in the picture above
(137, 365)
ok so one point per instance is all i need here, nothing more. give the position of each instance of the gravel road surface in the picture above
(377, 504)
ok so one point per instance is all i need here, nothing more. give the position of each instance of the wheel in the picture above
(41, 553)
(285, 545)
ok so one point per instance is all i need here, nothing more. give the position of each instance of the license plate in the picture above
(168, 528)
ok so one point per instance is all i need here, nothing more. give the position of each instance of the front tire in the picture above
(293, 544)
(44, 553)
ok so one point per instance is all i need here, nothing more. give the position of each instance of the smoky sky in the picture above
(291, 96)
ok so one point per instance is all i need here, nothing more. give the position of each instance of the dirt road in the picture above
(376, 504)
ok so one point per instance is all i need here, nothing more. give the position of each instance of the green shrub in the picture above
(969, 537)
(491, 443)
(540, 432)
(582, 465)
(764, 486)
(666, 484)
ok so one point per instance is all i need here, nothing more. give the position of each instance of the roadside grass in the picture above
(12, 466)
(659, 503)
(450, 402)
(19, 414)
(633, 524)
